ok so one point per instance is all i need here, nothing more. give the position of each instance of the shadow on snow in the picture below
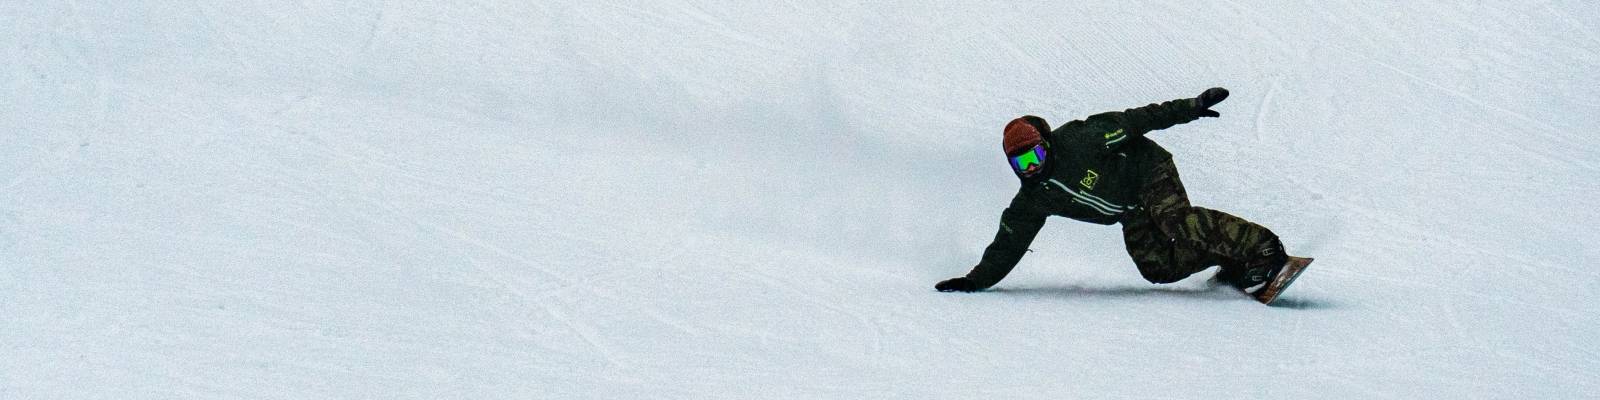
(1210, 293)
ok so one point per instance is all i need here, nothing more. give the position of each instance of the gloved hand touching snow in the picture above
(1210, 98)
(958, 284)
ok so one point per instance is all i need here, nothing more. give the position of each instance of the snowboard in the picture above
(1290, 271)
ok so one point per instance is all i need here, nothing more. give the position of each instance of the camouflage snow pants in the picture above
(1170, 239)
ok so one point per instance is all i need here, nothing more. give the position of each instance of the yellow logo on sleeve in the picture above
(1113, 134)
(1089, 180)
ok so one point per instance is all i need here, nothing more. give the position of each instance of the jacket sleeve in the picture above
(1136, 122)
(1018, 225)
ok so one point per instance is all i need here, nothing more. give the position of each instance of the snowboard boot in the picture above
(1266, 274)
(1281, 280)
(1257, 271)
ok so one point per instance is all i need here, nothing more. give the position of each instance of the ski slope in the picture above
(693, 199)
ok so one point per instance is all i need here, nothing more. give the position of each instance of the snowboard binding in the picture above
(1279, 281)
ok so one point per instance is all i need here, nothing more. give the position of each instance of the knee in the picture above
(1156, 273)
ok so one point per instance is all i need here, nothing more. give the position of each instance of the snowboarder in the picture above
(1104, 170)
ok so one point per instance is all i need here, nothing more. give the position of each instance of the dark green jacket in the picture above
(1096, 168)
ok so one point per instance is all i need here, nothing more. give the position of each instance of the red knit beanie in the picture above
(1021, 135)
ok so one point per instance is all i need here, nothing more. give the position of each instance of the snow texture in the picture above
(695, 199)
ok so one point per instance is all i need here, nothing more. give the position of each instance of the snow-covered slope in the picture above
(480, 199)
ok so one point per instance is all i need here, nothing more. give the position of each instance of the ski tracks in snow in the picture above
(1266, 108)
(99, 109)
(556, 300)
(519, 288)
(61, 157)
(1544, 129)
(1525, 262)
(730, 265)
(1567, 19)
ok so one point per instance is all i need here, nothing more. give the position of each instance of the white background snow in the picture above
(693, 199)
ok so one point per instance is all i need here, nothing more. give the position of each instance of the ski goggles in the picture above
(1030, 159)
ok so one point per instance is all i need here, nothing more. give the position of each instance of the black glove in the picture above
(1210, 98)
(959, 284)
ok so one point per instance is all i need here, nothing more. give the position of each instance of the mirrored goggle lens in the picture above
(1028, 160)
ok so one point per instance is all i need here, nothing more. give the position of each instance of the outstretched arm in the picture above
(1135, 122)
(1018, 225)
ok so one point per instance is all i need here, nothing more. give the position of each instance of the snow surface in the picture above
(693, 199)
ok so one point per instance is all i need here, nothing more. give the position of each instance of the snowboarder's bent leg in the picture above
(1170, 239)
(1159, 258)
